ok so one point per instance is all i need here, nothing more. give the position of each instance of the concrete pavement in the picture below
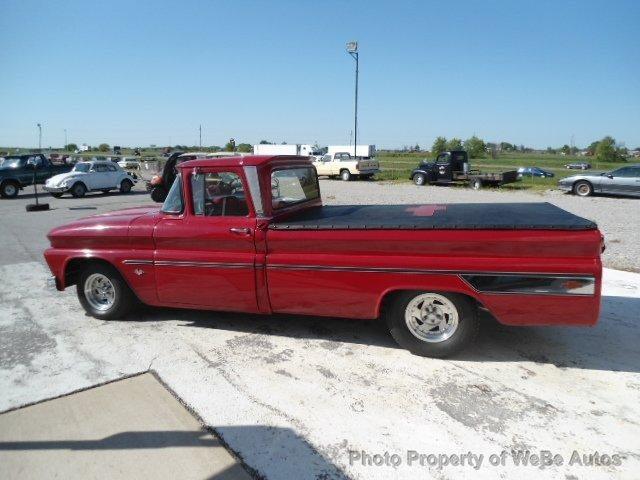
(128, 429)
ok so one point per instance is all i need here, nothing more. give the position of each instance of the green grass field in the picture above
(398, 166)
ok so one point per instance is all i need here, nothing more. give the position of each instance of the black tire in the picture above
(420, 179)
(78, 190)
(124, 299)
(9, 189)
(158, 194)
(126, 186)
(345, 175)
(466, 331)
(475, 184)
(56, 195)
(582, 188)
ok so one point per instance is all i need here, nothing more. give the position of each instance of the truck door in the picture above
(443, 167)
(205, 253)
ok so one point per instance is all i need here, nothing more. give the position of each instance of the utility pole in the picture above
(200, 129)
(39, 136)
(352, 49)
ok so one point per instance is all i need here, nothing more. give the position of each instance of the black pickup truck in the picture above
(452, 168)
(15, 173)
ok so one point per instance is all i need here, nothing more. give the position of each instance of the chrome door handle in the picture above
(240, 231)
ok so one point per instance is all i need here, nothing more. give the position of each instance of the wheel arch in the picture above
(74, 265)
(388, 295)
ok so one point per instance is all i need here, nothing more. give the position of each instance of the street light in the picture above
(352, 49)
(39, 136)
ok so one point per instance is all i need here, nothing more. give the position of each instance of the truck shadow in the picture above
(611, 345)
(242, 438)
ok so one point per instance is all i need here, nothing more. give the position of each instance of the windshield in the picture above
(173, 203)
(82, 167)
(12, 162)
(293, 185)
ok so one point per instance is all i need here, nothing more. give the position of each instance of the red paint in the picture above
(198, 262)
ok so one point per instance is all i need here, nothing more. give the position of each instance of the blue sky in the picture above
(149, 72)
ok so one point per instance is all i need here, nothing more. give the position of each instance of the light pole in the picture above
(39, 136)
(352, 49)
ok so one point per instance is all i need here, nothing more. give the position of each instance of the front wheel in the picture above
(9, 189)
(345, 175)
(432, 324)
(78, 190)
(419, 179)
(102, 292)
(583, 189)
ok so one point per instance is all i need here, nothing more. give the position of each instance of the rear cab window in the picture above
(292, 186)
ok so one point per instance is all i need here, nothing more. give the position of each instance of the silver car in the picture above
(623, 181)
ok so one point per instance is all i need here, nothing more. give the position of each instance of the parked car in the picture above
(128, 162)
(90, 176)
(578, 166)
(452, 168)
(346, 167)
(15, 173)
(534, 172)
(623, 181)
(251, 235)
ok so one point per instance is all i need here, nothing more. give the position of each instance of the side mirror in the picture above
(609, 175)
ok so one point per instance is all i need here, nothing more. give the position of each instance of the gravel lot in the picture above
(617, 218)
(293, 396)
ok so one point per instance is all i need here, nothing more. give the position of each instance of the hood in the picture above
(58, 179)
(99, 230)
(585, 174)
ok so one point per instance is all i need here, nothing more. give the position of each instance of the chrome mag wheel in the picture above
(431, 317)
(99, 292)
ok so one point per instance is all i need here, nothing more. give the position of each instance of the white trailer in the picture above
(364, 151)
(286, 149)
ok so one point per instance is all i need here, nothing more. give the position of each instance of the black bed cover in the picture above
(463, 216)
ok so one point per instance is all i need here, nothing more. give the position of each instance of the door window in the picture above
(443, 158)
(218, 194)
(100, 168)
(111, 168)
(626, 172)
(173, 203)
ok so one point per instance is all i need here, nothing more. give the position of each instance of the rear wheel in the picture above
(419, 179)
(9, 189)
(78, 190)
(102, 292)
(432, 324)
(345, 175)
(583, 188)
(125, 186)
(476, 184)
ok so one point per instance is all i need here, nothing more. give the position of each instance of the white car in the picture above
(88, 176)
(128, 162)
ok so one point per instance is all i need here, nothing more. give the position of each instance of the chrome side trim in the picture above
(138, 262)
(516, 283)
(530, 284)
(171, 263)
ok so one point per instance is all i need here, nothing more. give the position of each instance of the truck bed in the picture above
(462, 216)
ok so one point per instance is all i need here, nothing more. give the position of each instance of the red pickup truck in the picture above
(251, 235)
